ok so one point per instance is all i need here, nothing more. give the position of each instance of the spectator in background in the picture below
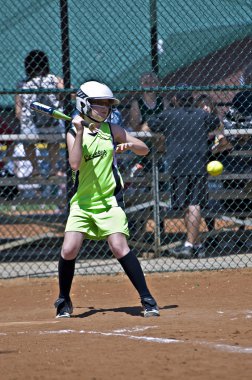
(6, 147)
(186, 130)
(239, 116)
(38, 76)
(242, 101)
(6, 169)
(115, 117)
(219, 146)
(240, 112)
(150, 103)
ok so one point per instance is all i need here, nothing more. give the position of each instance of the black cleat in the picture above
(150, 307)
(64, 308)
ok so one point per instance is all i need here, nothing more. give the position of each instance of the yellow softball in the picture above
(214, 168)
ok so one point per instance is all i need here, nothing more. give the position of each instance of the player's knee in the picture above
(118, 245)
(118, 251)
(69, 252)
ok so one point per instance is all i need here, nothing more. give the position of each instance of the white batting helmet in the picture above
(93, 90)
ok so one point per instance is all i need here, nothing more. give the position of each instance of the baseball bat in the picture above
(56, 114)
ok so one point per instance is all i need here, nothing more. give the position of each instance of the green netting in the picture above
(112, 42)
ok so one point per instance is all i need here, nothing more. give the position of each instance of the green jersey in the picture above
(98, 183)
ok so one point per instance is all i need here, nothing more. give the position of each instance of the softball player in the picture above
(96, 208)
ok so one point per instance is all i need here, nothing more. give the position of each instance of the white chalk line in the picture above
(125, 333)
(218, 346)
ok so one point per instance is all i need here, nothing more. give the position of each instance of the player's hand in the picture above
(77, 122)
(145, 127)
(93, 127)
(80, 123)
(123, 147)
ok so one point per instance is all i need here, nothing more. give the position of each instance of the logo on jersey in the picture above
(99, 153)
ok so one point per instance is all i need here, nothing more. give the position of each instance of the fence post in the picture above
(66, 68)
(156, 210)
(154, 36)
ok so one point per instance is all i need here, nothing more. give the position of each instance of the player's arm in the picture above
(221, 143)
(60, 86)
(127, 142)
(216, 134)
(135, 117)
(74, 143)
(60, 83)
(18, 107)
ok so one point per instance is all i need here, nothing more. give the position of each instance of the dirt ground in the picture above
(204, 331)
(25, 230)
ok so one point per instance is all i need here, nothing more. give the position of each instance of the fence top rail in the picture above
(13, 91)
(234, 131)
(33, 137)
(62, 136)
(58, 136)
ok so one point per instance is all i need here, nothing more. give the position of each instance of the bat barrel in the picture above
(39, 107)
(49, 111)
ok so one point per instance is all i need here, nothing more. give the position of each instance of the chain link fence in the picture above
(189, 61)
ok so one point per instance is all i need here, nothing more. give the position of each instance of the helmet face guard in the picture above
(89, 93)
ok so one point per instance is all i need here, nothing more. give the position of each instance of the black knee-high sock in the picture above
(66, 273)
(134, 271)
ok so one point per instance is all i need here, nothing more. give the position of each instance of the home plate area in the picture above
(203, 332)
